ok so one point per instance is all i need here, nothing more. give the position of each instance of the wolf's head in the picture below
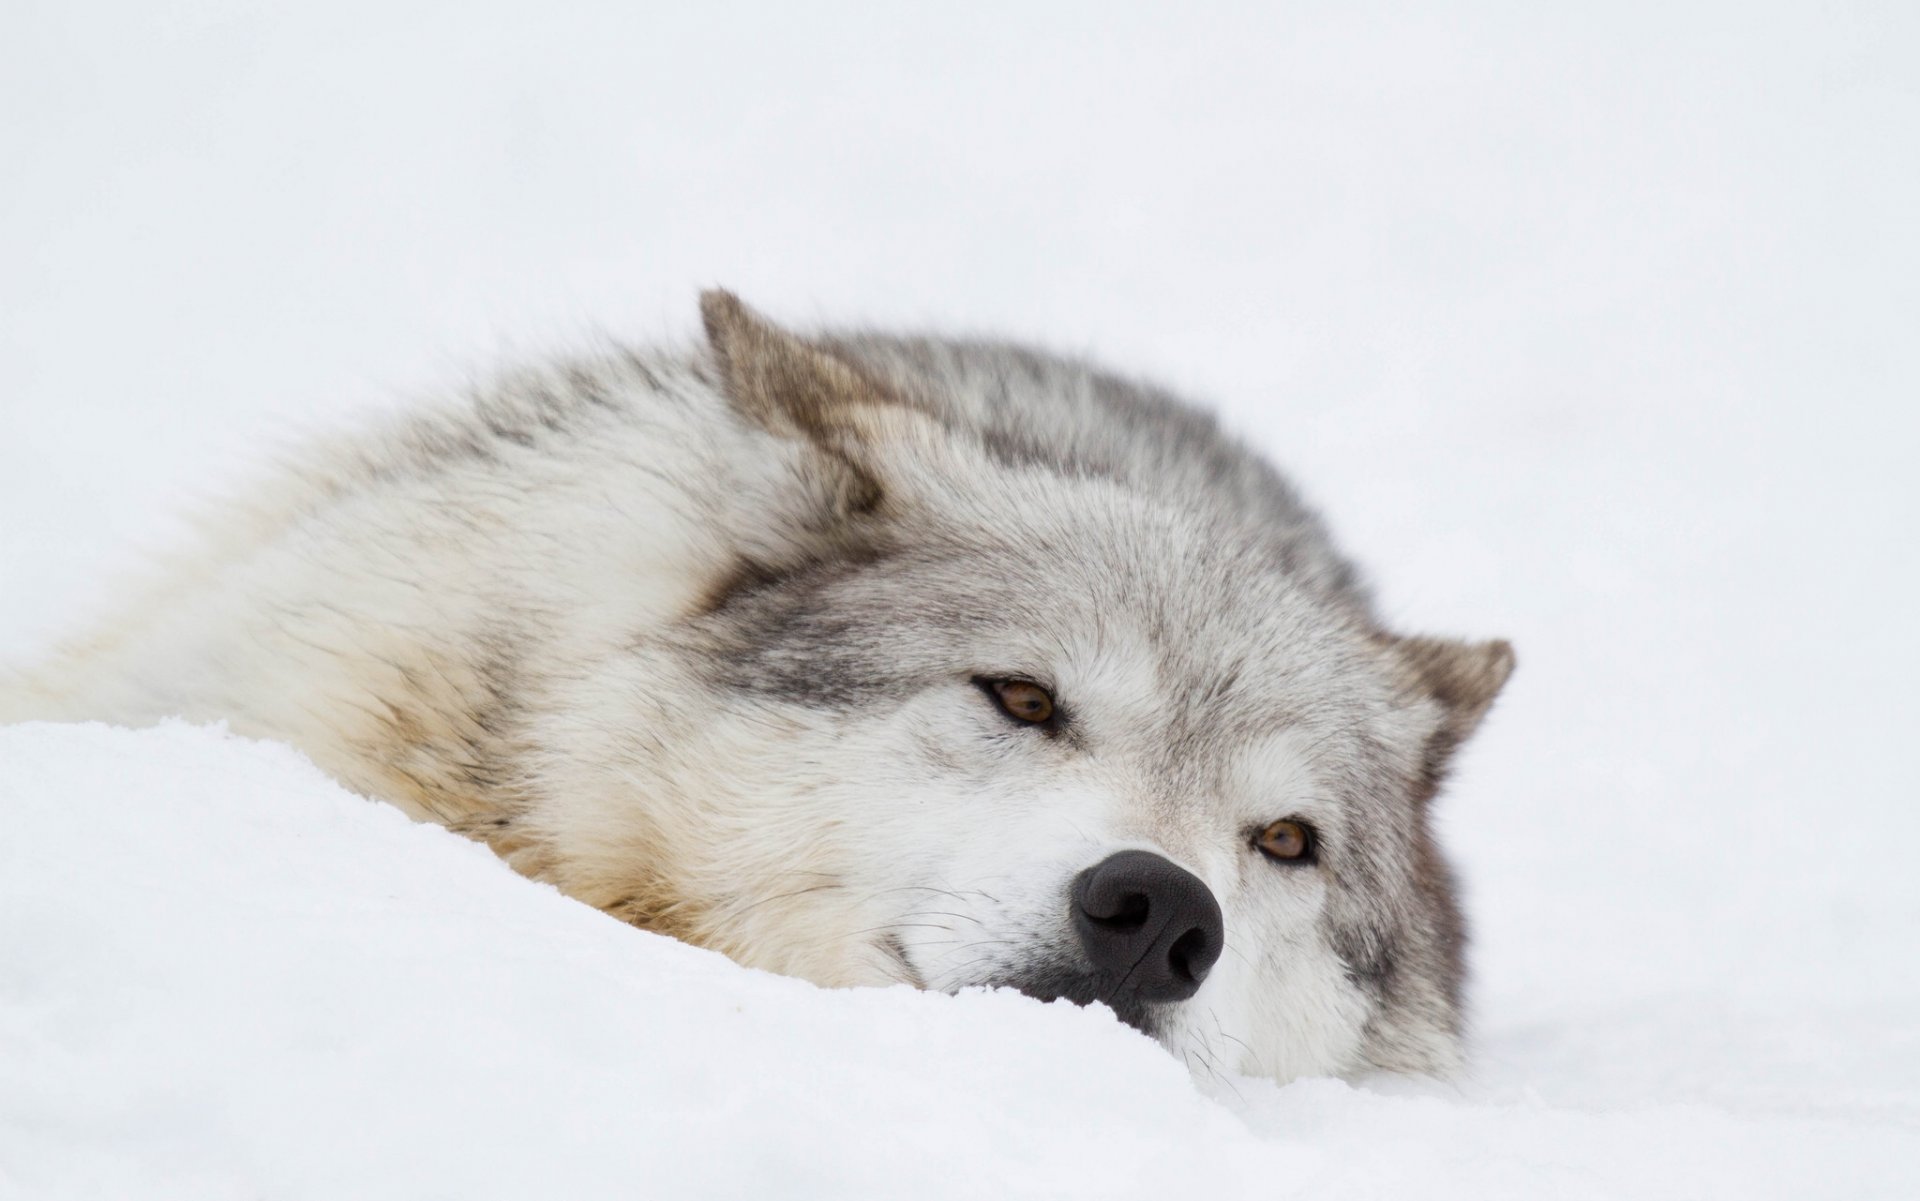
(1017, 675)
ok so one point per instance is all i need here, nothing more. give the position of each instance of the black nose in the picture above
(1150, 927)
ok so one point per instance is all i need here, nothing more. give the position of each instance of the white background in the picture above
(1590, 327)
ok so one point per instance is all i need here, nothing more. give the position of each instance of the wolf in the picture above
(866, 659)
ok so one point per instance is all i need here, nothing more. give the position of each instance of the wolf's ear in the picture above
(1461, 677)
(783, 382)
(790, 387)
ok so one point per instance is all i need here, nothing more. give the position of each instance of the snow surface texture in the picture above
(1590, 329)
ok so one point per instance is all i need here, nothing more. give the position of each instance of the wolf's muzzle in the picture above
(1149, 927)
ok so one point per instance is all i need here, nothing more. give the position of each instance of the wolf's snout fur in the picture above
(846, 655)
(1150, 929)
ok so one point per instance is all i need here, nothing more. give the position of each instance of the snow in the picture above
(234, 979)
(252, 982)
(1590, 328)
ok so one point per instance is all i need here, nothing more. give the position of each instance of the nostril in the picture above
(1191, 956)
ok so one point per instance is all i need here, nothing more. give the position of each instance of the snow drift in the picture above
(227, 977)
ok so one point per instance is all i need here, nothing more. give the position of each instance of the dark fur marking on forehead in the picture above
(775, 633)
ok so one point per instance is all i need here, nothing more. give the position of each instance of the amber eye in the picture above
(1021, 700)
(1290, 841)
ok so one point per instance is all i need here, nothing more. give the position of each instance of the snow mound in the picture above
(228, 977)
(225, 976)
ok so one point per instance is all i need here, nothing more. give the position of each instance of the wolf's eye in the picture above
(1021, 700)
(1288, 841)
